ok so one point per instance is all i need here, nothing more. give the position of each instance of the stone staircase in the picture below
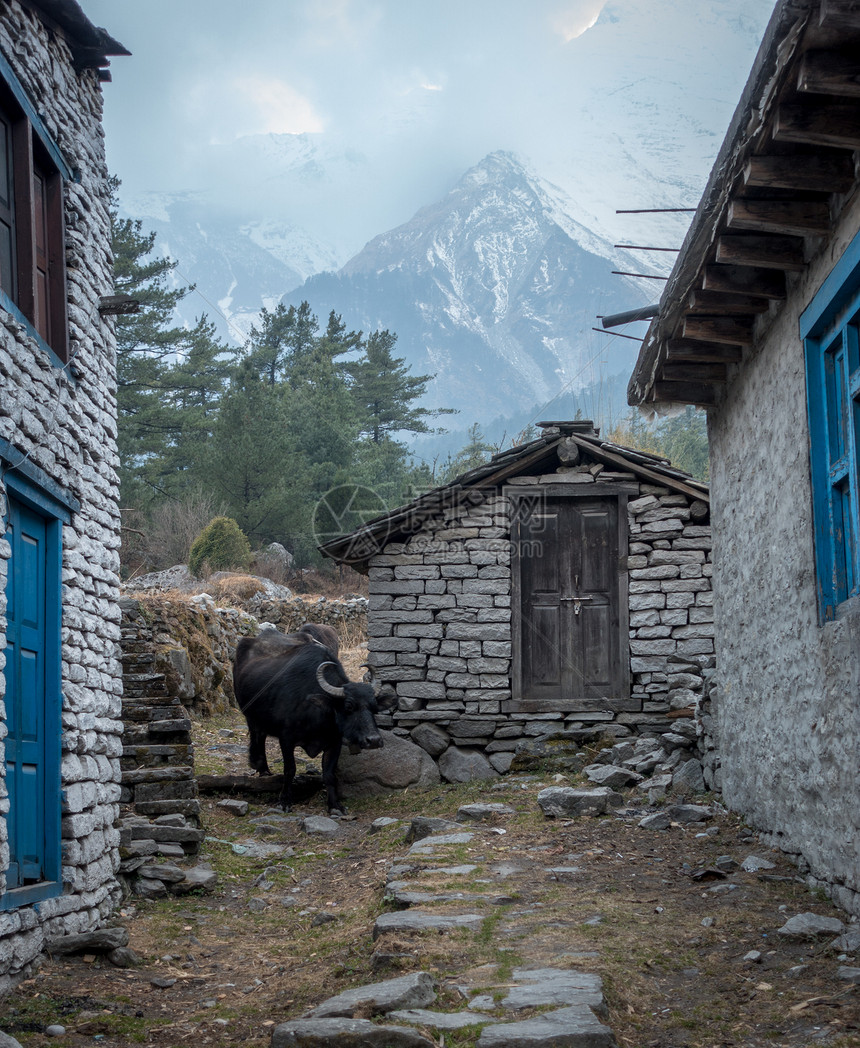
(159, 806)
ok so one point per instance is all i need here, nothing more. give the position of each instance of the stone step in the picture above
(422, 920)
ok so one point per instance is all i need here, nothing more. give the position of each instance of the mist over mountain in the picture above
(493, 279)
(493, 289)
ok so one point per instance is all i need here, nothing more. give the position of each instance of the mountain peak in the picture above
(498, 166)
(493, 289)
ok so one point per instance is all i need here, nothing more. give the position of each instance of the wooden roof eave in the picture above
(90, 44)
(656, 474)
(750, 118)
(407, 519)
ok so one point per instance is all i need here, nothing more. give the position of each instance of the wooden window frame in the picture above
(830, 330)
(36, 295)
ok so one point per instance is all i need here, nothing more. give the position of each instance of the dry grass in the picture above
(235, 588)
(633, 914)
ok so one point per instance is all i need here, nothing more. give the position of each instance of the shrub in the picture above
(220, 546)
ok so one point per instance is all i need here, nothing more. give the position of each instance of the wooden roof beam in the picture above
(690, 349)
(840, 14)
(821, 172)
(829, 73)
(736, 331)
(690, 371)
(787, 217)
(684, 393)
(745, 280)
(765, 252)
(819, 123)
(726, 302)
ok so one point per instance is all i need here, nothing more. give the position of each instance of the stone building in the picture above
(759, 323)
(59, 616)
(563, 587)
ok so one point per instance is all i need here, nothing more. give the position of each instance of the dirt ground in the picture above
(649, 911)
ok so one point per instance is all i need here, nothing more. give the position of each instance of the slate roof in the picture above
(90, 45)
(782, 176)
(536, 457)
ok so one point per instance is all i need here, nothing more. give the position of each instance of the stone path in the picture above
(535, 1006)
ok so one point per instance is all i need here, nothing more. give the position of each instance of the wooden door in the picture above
(571, 637)
(27, 643)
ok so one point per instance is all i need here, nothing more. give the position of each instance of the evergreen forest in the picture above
(305, 414)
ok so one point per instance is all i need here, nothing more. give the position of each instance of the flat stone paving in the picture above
(573, 999)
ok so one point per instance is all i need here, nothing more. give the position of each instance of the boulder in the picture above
(457, 765)
(101, 940)
(432, 738)
(566, 802)
(399, 764)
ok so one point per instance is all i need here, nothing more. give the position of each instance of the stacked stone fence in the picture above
(177, 657)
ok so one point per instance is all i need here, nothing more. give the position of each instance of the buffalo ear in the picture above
(386, 698)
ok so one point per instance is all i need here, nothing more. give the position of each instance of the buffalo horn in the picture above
(330, 689)
(377, 684)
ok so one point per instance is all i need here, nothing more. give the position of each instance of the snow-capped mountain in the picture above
(494, 290)
(237, 266)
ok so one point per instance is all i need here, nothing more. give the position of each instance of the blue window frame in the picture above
(830, 329)
(33, 699)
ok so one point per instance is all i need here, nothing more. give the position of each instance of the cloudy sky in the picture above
(589, 90)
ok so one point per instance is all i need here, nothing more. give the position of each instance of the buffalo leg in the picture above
(287, 746)
(257, 751)
(329, 773)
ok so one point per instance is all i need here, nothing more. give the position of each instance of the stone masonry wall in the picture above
(64, 422)
(439, 623)
(789, 686)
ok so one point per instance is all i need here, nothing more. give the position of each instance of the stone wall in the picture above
(439, 622)
(192, 640)
(789, 688)
(62, 423)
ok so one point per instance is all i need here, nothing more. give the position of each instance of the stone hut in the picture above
(562, 587)
(61, 687)
(759, 323)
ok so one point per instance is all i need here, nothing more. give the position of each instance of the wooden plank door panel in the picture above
(569, 587)
(26, 696)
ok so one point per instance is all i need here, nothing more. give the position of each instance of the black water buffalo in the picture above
(300, 693)
(322, 634)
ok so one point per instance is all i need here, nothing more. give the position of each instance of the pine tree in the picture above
(385, 391)
(252, 463)
(475, 452)
(168, 378)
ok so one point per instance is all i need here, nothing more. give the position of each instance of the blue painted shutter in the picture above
(26, 692)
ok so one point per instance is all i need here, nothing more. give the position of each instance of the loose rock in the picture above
(810, 926)
(345, 1033)
(420, 920)
(408, 991)
(320, 826)
(565, 802)
(575, 1027)
(481, 812)
(233, 806)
